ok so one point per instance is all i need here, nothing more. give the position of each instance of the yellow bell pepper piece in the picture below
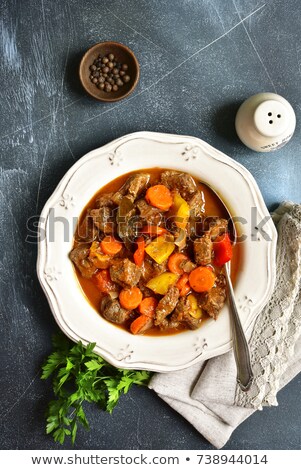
(160, 284)
(177, 202)
(181, 210)
(182, 215)
(195, 311)
(161, 248)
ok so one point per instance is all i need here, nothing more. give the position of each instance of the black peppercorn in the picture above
(108, 74)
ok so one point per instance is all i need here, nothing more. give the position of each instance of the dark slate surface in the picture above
(199, 61)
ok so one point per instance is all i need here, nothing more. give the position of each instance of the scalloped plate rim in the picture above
(102, 152)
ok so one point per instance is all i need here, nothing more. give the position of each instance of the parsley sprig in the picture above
(79, 375)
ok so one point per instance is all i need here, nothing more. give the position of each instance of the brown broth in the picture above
(213, 207)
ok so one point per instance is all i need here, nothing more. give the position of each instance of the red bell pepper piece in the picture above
(103, 281)
(222, 250)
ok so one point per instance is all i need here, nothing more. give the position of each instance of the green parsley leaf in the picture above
(93, 365)
(79, 375)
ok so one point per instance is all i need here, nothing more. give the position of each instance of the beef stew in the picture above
(145, 252)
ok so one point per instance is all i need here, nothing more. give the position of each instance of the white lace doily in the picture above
(279, 325)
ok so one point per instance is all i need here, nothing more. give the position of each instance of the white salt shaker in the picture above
(265, 122)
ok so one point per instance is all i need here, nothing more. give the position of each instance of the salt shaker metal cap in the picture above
(265, 122)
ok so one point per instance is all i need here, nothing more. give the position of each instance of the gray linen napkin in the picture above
(206, 394)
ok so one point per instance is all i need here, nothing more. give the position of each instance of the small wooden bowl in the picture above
(123, 55)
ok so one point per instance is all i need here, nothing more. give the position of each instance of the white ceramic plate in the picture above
(72, 311)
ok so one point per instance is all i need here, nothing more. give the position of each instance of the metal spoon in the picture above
(240, 345)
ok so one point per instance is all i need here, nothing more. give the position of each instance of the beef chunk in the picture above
(182, 314)
(150, 214)
(203, 250)
(117, 198)
(87, 231)
(137, 184)
(105, 201)
(216, 297)
(112, 311)
(183, 306)
(125, 273)
(168, 323)
(79, 256)
(197, 204)
(195, 227)
(132, 188)
(126, 222)
(166, 304)
(160, 268)
(146, 292)
(215, 226)
(180, 181)
(147, 271)
(102, 219)
(191, 322)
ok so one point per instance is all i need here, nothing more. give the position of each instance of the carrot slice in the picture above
(110, 246)
(139, 253)
(183, 285)
(153, 230)
(182, 281)
(148, 306)
(174, 263)
(185, 290)
(201, 279)
(159, 196)
(130, 298)
(138, 324)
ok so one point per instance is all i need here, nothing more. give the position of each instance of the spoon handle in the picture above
(240, 345)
